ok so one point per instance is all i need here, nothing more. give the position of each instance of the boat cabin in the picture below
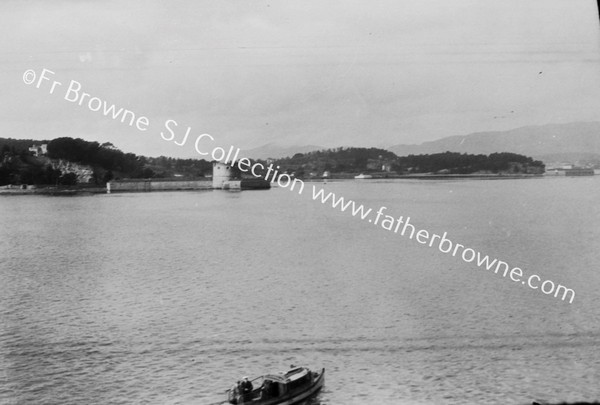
(275, 385)
(275, 388)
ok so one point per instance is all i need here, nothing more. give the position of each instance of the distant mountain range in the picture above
(552, 143)
(549, 143)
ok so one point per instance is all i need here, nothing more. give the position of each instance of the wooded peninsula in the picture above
(68, 162)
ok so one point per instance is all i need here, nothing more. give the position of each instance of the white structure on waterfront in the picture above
(225, 176)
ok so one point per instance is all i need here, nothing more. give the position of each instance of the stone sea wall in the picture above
(157, 185)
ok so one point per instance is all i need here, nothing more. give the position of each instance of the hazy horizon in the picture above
(335, 74)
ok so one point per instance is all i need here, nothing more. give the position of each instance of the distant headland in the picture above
(66, 165)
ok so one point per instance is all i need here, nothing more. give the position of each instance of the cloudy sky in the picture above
(330, 73)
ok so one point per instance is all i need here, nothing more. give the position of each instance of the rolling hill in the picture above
(549, 143)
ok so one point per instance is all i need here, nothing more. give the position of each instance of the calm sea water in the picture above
(169, 298)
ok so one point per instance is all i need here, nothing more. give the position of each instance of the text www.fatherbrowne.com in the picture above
(402, 226)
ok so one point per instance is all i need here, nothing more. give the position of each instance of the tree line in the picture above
(19, 166)
(462, 163)
(372, 160)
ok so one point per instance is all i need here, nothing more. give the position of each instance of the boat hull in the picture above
(292, 398)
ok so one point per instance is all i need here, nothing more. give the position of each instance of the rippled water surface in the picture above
(168, 298)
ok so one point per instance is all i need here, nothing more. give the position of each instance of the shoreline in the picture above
(67, 191)
(53, 191)
(424, 176)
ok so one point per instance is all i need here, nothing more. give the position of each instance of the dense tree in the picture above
(17, 165)
(454, 162)
(108, 176)
(356, 160)
(68, 179)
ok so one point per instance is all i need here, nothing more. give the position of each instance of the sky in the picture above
(334, 73)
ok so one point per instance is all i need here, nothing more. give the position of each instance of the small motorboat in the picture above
(363, 176)
(291, 387)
